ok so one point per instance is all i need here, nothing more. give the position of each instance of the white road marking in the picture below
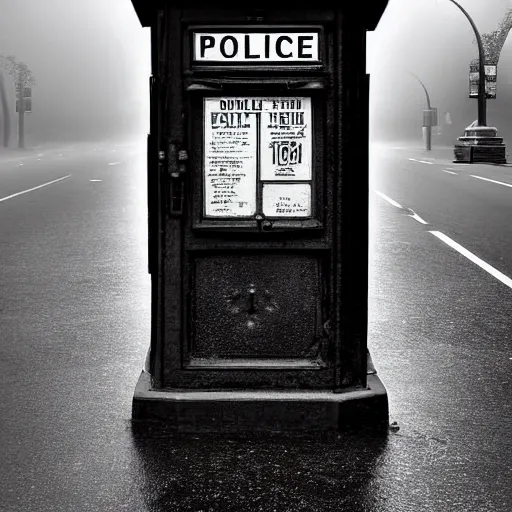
(421, 161)
(449, 172)
(475, 259)
(114, 163)
(392, 202)
(20, 163)
(492, 181)
(34, 188)
(388, 199)
(418, 218)
(94, 180)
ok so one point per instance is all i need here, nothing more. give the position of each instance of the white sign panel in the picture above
(286, 139)
(246, 47)
(491, 70)
(280, 200)
(230, 157)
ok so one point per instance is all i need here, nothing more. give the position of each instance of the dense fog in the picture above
(433, 40)
(91, 62)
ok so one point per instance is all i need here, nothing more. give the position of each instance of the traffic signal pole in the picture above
(21, 113)
(5, 111)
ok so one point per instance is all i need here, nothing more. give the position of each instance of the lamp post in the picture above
(480, 143)
(482, 100)
(428, 137)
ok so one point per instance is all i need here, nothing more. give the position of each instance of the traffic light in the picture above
(27, 100)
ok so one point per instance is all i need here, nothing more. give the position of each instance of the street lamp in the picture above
(482, 100)
(480, 143)
(427, 116)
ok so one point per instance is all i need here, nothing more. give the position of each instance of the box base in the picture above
(266, 410)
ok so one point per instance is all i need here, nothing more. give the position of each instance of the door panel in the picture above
(264, 305)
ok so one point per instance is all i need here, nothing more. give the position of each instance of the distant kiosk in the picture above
(258, 218)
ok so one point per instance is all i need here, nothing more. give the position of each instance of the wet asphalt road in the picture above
(74, 330)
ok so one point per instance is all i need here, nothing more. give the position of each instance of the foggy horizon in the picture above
(91, 62)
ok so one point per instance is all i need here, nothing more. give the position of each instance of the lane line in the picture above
(94, 180)
(492, 181)
(449, 172)
(388, 199)
(392, 202)
(114, 163)
(472, 257)
(34, 188)
(419, 219)
(421, 161)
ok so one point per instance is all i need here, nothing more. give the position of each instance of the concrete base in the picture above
(267, 410)
(475, 153)
(480, 144)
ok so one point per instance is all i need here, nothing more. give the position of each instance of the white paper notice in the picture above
(286, 139)
(280, 200)
(230, 156)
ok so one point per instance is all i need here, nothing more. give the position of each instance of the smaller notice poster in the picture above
(287, 200)
(286, 133)
(230, 157)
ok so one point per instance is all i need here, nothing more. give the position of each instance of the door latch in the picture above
(178, 170)
(263, 223)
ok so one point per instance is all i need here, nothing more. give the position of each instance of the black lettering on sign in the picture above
(287, 153)
(302, 46)
(248, 49)
(267, 46)
(206, 42)
(279, 42)
(223, 42)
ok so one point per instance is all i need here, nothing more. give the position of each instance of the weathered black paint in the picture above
(244, 304)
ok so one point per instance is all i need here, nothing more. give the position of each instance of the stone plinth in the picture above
(480, 144)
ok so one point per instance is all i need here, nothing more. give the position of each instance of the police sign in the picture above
(256, 47)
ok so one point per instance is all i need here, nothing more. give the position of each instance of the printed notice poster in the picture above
(230, 156)
(287, 200)
(286, 139)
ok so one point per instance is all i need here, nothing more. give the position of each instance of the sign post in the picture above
(257, 253)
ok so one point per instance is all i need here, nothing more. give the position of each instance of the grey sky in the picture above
(90, 59)
(91, 62)
(434, 40)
